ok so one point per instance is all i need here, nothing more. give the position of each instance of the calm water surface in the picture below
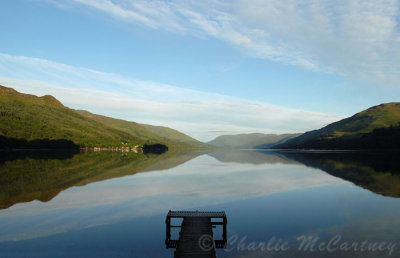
(114, 204)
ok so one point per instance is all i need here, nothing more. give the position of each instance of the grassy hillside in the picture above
(150, 133)
(249, 141)
(362, 130)
(30, 117)
(10, 95)
(120, 125)
(172, 135)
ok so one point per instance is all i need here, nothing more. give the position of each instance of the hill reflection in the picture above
(378, 172)
(255, 157)
(41, 175)
(25, 177)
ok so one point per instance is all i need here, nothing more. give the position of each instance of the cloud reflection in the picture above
(201, 182)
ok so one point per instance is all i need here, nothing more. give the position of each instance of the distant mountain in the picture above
(376, 127)
(250, 141)
(27, 120)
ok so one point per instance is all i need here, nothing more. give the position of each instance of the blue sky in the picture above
(206, 67)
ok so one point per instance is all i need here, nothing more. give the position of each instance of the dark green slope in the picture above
(249, 141)
(367, 129)
(30, 117)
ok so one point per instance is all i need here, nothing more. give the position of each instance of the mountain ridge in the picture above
(249, 141)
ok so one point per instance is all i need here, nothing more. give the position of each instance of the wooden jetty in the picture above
(196, 238)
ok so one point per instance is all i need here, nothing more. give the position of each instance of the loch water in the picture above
(278, 204)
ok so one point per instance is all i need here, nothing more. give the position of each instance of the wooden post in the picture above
(168, 230)
(224, 229)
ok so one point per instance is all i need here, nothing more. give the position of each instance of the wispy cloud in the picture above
(200, 114)
(357, 39)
